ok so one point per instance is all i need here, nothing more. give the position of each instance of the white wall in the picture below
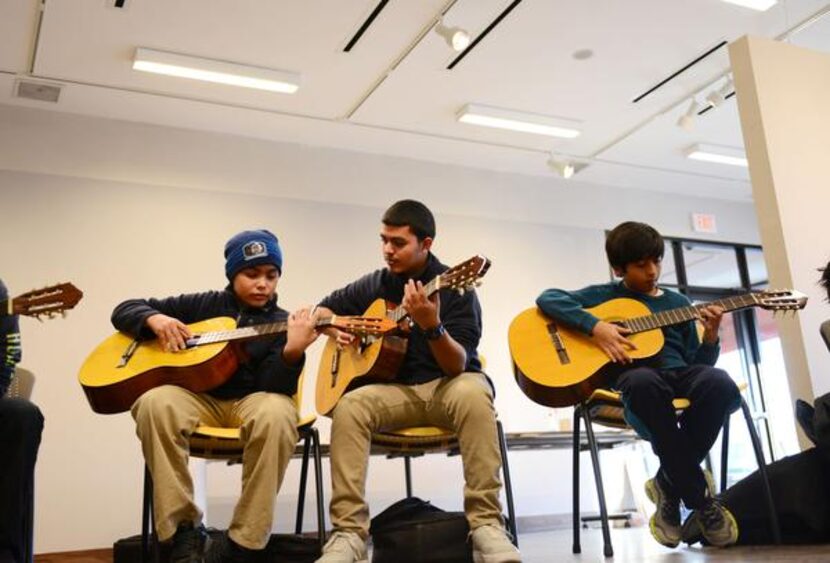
(782, 98)
(125, 210)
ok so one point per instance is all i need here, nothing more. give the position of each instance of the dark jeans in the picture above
(21, 424)
(682, 442)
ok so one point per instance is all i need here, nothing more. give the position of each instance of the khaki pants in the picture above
(167, 415)
(463, 403)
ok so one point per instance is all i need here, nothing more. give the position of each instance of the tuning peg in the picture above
(64, 314)
(478, 283)
(460, 291)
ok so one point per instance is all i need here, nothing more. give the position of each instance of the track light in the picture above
(687, 120)
(728, 88)
(717, 97)
(565, 167)
(455, 37)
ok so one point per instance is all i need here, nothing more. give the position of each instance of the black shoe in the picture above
(225, 550)
(188, 544)
(804, 413)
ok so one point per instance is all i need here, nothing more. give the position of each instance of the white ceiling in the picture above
(392, 93)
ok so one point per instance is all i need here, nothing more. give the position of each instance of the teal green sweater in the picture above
(682, 348)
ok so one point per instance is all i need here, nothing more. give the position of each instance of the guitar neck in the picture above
(244, 333)
(683, 314)
(399, 313)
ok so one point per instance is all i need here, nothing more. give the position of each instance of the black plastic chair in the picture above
(606, 408)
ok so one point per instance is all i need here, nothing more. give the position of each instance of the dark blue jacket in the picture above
(264, 370)
(460, 314)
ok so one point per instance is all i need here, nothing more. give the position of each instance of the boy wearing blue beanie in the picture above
(257, 397)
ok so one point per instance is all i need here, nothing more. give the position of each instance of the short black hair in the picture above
(825, 279)
(412, 214)
(631, 242)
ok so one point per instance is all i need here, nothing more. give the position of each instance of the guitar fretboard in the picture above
(247, 332)
(399, 313)
(683, 314)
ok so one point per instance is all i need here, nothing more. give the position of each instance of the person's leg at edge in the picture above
(268, 424)
(465, 404)
(165, 417)
(357, 415)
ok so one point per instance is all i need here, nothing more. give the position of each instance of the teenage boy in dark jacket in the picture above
(257, 397)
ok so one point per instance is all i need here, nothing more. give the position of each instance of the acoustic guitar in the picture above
(558, 366)
(46, 302)
(122, 367)
(378, 359)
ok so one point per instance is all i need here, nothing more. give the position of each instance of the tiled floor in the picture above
(636, 545)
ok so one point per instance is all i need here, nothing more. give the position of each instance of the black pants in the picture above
(21, 424)
(682, 442)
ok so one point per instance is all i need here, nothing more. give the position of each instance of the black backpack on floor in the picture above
(413, 531)
(801, 492)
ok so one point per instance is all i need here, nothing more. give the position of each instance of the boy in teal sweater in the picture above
(683, 368)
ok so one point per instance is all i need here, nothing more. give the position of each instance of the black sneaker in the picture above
(225, 550)
(713, 523)
(188, 544)
(665, 522)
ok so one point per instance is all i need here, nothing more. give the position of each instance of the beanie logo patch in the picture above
(254, 249)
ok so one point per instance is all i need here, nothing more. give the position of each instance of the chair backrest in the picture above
(22, 384)
(825, 332)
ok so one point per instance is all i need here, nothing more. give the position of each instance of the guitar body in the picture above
(112, 389)
(557, 366)
(342, 370)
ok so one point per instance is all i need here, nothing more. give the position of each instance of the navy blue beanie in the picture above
(251, 248)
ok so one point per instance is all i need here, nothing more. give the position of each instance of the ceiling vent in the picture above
(40, 91)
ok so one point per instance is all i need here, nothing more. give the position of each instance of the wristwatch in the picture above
(435, 333)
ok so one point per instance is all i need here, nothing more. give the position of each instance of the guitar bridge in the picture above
(555, 337)
(335, 365)
(128, 353)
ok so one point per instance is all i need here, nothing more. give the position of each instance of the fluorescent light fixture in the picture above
(487, 116)
(196, 68)
(760, 5)
(457, 38)
(718, 154)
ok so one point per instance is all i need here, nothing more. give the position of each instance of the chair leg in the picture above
(28, 553)
(407, 468)
(508, 485)
(318, 483)
(724, 452)
(298, 526)
(148, 522)
(762, 470)
(576, 548)
(608, 550)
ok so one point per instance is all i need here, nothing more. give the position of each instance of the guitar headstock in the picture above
(780, 299)
(363, 326)
(466, 275)
(47, 302)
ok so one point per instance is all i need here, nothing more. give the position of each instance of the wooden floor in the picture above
(630, 545)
